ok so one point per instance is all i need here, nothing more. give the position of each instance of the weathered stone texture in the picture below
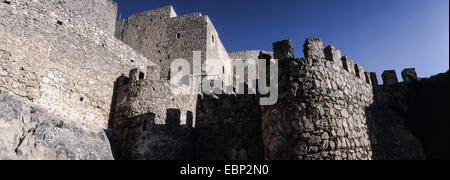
(53, 57)
(321, 115)
(313, 48)
(150, 122)
(348, 64)
(162, 37)
(30, 132)
(102, 13)
(63, 72)
(333, 54)
(283, 50)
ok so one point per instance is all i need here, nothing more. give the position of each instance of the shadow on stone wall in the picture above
(228, 127)
(389, 137)
(109, 131)
(140, 138)
(410, 121)
(428, 115)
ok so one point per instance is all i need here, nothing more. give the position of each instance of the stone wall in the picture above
(427, 114)
(229, 128)
(162, 37)
(150, 122)
(390, 115)
(250, 54)
(326, 110)
(102, 13)
(61, 80)
(321, 112)
(216, 51)
(30, 132)
(61, 61)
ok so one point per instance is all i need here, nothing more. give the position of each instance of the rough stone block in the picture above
(283, 50)
(359, 71)
(136, 75)
(367, 77)
(332, 54)
(373, 78)
(153, 73)
(389, 78)
(313, 48)
(409, 75)
(348, 64)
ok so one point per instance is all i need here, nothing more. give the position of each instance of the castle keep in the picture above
(76, 84)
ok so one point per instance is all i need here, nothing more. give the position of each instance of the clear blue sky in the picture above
(377, 34)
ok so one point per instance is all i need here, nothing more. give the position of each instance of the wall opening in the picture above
(141, 75)
(178, 35)
(125, 81)
(144, 126)
(189, 119)
(173, 117)
(213, 39)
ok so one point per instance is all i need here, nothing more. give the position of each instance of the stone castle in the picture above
(76, 84)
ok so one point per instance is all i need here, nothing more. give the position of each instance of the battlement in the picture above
(390, 79)
(321, 106)
(68, 59)
(69, 63)
(313, 49)
(162, 36)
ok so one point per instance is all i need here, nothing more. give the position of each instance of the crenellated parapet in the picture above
(328, 106)
(324, 111)
(150, 121)
(162, 36)
(389, 113)
(409, 75)
(321, 112)
(390, 78)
